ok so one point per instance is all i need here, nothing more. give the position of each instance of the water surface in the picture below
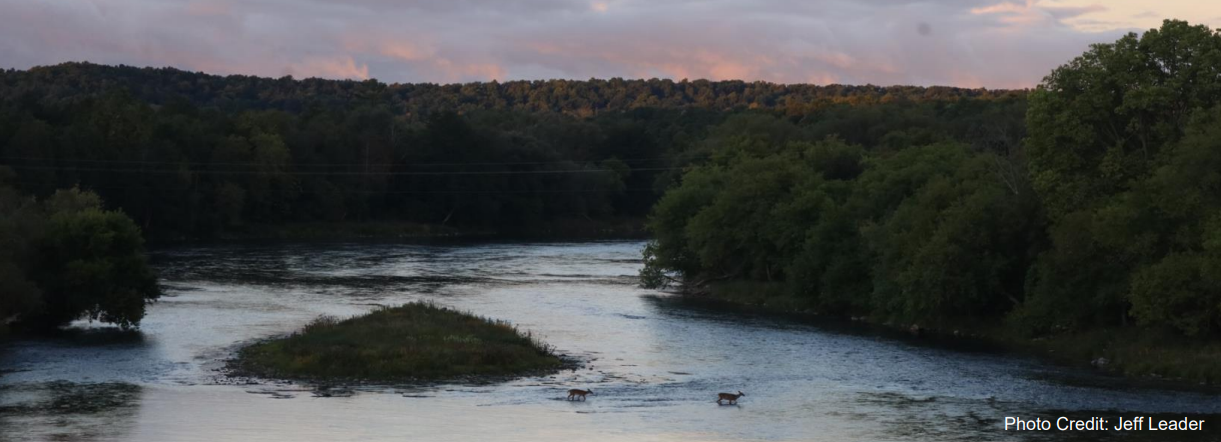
(655, 362)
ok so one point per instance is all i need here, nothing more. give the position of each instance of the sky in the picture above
(967, 43)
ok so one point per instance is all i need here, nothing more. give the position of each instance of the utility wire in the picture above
(345, 173)
(394, 192)
(254, 164)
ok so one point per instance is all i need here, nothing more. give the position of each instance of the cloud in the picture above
(1035, 12)
(923, 42)
(206, 8)
(341, 67)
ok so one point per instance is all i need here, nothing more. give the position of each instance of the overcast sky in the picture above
(971, 43)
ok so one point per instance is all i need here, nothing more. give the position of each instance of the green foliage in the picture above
(188, 154)
(582, 99)
(670, 217)
(413, 342)
(736, 235)
(653, 274)
(92, 265)
(1108, 215)
(19, 221)
(832, 268)
(1128, 195)
(66, 259)
(957, 248)
(1099, 122)
(1175, 218)
(850, 230)
(1180, 290)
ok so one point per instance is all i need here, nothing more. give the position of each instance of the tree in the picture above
(1173, 221)
(958, 248)
(1099, 121)
(20, 220)
(1099, 127)
(89, 263)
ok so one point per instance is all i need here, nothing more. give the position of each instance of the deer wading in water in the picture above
(575, 393)
(732, 398)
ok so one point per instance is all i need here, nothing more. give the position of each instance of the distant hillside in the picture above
(579, 98)
(199, 155)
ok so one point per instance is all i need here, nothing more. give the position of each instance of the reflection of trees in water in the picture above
(67, 411)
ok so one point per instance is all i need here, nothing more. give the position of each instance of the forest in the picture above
(194, 155)
(1101, 212)
(168, 155)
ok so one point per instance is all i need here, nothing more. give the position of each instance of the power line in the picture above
(342, 173)
(255, 164)
(394, 192)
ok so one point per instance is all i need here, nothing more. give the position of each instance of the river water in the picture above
(655, 362)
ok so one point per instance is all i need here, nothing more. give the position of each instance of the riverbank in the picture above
(651, 355)
(1131, 352)
(566, 229)
(413, 342)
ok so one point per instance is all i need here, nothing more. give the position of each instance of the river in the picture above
(654, 361)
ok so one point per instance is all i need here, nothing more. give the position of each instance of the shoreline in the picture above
(1135, 355)
(623, 228)
(233, 373)
(414, 343)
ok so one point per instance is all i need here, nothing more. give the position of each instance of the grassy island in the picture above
(417, 341)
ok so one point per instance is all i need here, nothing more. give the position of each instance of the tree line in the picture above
(168, 153)
(1102, 210)
(193, 166)
(70, 81)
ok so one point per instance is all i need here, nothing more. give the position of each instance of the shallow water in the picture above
(655, 362)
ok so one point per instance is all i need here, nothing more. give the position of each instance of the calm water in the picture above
(655, 362)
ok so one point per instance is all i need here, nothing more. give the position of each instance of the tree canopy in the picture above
(190, 154)
(1106, 215)
(66, 258)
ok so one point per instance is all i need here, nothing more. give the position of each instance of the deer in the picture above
(732, 398)
(575, 393)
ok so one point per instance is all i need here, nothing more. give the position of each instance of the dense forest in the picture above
(188, 154)
(176, 154)
(1102, 211)
(70, 81)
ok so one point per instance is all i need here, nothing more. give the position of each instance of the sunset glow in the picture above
(987, 43)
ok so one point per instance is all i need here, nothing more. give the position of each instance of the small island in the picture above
(414, 342)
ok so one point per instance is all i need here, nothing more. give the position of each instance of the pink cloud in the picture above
(341, 67)
(1034, 11)
(406, 51)
(459, 71)
(992, 44)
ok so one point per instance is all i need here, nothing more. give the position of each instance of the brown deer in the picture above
(575, 393)
(732, 398)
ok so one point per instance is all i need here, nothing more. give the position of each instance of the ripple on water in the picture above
(655, 362)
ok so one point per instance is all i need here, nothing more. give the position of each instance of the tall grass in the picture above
(417, 341)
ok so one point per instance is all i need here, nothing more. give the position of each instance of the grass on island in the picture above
(417, 341)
